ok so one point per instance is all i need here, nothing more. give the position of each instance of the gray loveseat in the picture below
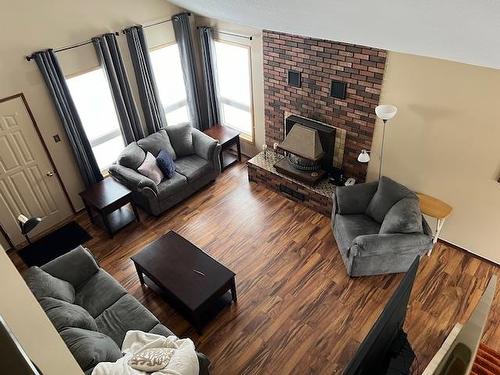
(196, 157)
(91, 311)
(379, 227)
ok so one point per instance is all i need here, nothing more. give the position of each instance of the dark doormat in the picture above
(54, 244)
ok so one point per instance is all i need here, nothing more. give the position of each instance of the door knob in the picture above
(49, 174)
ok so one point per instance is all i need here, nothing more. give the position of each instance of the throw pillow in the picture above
(132, 156)
(156, 142)
(166, 164)
(149, 169)
(388, 193)
(65, 315)
(90, 347)
(42, 284)
(181, 138)
(404, 217)
(151, 360)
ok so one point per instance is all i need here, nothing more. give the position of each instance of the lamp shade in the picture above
(385, 111)
(304, 142)
(364, 157)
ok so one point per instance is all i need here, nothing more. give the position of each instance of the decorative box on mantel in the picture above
(317, 198)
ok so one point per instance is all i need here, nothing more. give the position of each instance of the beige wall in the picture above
(445, 142)
(33, 25)
(255, 45)
(30, 325)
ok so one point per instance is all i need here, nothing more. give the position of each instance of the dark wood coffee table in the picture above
(227, 138)
(110, 199)
(192, 280)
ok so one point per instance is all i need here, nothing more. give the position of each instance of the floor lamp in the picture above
(385, 112)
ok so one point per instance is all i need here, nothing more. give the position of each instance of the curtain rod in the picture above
(231, 34)
(160, 22)
(76, 45)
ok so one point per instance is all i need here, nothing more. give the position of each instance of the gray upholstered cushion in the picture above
(125, 314)
(90, 347)
(172, 186)
(132, 156)
(181, 139)
(354, 199)
(43, 284)
(100, 292)
(156, 142)
(75, 267)
(65, 315)
(192, 166)
(388, 193)
(160, 329)
(351, 226)
(404, 217)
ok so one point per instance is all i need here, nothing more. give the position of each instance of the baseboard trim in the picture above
(475, 255)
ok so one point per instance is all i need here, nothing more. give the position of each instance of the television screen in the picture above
(385, 346)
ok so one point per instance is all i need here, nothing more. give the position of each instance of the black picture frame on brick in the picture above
(338, 90)
(294, 78)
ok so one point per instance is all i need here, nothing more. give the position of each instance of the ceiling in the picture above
(466, 31)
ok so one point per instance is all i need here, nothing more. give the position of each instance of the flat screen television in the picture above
(385, 350)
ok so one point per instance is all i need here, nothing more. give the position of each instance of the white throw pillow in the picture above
(151, 360)
(150, 169)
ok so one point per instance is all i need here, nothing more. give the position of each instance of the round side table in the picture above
(437, 209)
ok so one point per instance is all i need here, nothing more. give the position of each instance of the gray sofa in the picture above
(91, 311)
(379, 227)
(196, 157)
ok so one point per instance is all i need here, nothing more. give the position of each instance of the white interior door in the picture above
(28, 181)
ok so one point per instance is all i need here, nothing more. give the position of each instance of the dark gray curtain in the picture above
(54, 79)
(182, 31)
(110, 58)
(210, 75)
(150, 100)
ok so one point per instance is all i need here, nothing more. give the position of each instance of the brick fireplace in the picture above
(320, 62)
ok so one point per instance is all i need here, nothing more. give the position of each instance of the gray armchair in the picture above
(196, 157)
(378, 227)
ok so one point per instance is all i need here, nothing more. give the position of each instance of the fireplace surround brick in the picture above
(320, 62)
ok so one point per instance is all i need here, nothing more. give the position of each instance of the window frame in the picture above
(176, 105)
(247, 137)
(108, 136)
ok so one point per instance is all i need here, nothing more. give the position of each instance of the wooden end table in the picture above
(108, 198)
(227, 138)
(191, 279)
(437, 209)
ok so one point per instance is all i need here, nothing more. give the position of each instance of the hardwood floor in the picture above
(298, 312)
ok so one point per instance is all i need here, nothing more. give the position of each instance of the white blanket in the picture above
(183, 361)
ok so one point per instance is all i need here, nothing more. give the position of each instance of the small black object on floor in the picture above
(54, 244)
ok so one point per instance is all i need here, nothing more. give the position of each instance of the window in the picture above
(94, 103)
(169, 78)
(234, 85)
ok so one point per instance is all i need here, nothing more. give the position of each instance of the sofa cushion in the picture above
(348, 227)
(90, 347)
(150, 169)
(192, 166)
(404, 217)
(388, 193)
(100, 292)
(124, 315)
(171, 186)
(43, 284)
(160, 329)
(166, 164)
(75, 267)
(156, 142)
(181, 138)
(65, 315)
(132, 156)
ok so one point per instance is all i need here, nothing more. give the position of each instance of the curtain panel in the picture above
(65, 107)
(150, 100)
(210, 75)
(183, 36)
(109, 56)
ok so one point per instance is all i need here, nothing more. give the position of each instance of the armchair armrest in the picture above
(394, 243)
(75, 267)
(132, 179)
(207, 148)
(354, 199)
